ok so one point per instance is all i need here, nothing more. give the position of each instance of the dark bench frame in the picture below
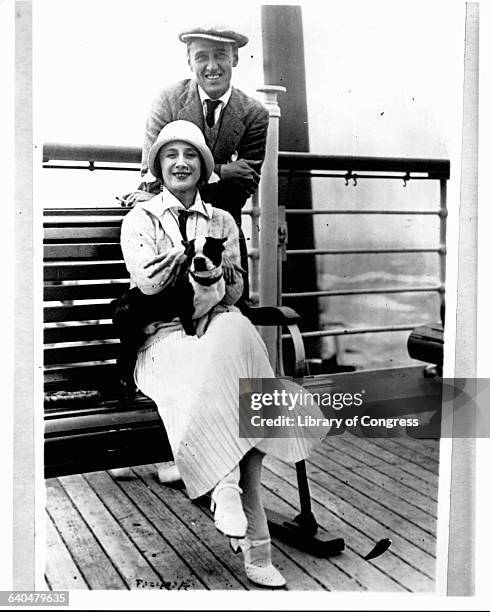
(80, 346)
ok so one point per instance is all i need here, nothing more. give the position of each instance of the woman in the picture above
(194, 380)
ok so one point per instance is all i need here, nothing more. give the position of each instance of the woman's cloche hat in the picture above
(184, 131)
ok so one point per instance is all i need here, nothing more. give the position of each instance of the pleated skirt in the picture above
(195, 384)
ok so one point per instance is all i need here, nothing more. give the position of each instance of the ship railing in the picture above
(268, 246)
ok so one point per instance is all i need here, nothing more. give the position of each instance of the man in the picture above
(234, 124)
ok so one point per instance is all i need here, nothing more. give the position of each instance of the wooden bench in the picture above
(89, 422)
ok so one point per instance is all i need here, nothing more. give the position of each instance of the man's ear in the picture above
(235, 58)
(189, 60)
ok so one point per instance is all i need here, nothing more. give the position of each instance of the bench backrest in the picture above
(83, 272)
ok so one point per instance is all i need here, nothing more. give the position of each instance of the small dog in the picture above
(197, 290)
(205, 275)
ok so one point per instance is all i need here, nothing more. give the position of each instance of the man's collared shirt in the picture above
(224, 99)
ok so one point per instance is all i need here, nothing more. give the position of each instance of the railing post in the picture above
(268, 194)
(253, 253)
(442, 237)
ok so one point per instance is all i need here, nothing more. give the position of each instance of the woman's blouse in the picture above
(151, 228)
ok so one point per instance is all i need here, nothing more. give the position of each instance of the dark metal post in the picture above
(284, 64)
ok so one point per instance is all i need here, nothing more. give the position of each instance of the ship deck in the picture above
(137, 534)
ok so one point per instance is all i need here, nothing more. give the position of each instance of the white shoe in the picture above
(121, 473)
(257, 560)
(168, 472)
(229, 518)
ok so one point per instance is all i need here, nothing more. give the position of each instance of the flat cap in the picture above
(220, 33)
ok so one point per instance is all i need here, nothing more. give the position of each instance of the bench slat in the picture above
(81, 354)
(104, 250)
(74, 234)
(86, 212)
(110, 448)
(83, 270)
(83, 312)
(78, 221)
(108, 415)
(103, 376)
(120, 404)
(93, 291)
(77, 333)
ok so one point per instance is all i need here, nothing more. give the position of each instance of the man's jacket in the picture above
(242, 134)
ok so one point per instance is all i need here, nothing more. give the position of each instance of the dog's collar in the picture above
(208, 278)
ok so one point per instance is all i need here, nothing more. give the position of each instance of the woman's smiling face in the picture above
(180, 163)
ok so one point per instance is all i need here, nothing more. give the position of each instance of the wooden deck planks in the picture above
(201, 561)
(127, 559)
(86, 552)
(109, 534)
(408, 455)
(357, 513)
(197, 522)
(149, 541)
(393, 480)
(425, 447)
(405, 485)
(345, 572)
(416, 486)
(390, 482)
(61, 571)
(383, 497)
(376, 455)
(386, 516)
(357, 541)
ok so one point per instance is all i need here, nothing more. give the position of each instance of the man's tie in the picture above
(183, 216)
(211, 106)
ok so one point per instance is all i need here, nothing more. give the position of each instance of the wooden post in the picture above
(268, 194)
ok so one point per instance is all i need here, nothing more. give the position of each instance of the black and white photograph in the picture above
(253, 250)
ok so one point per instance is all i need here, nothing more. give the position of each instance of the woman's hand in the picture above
(173, 260)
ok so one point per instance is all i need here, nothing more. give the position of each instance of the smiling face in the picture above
(212, 62)
(180, 163)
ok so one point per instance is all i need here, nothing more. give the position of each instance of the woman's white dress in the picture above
(195, 384)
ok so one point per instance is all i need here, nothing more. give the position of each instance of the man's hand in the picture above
(130, 199)
(173, 260)
(242, 170)
(229, 268)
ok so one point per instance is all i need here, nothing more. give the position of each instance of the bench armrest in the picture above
(282, 315)
(271, 315)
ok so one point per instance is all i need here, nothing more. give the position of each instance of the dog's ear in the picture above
(220, 242)
(185, 243)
